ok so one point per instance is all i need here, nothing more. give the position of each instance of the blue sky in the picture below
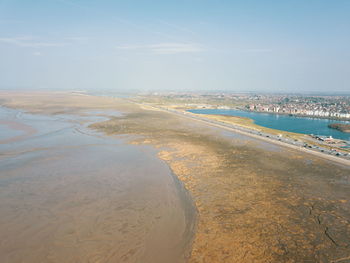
(279, 46)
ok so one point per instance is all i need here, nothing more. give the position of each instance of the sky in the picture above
(179, 45)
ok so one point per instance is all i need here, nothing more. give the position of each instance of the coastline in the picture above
(211, 241)
(300, 115)
(299, 148)
(247, 123)
(264, 124)
(190, 213)
(120, 212)
(340, 127)
(319, 154)
(277, 113)
(254, 204)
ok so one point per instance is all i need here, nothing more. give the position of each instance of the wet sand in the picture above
(256, 203)
(68, 194)
(12, 128)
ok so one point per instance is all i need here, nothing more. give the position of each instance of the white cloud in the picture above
(257, 50)
(179, 28)
(166, 48)
(29, 42)
(77, 38)
(130, 47)
(37, 53)
(173, 48)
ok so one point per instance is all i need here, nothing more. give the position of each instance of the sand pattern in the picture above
(255, 204)
(81, 197)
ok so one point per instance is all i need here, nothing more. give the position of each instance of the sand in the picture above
(68, 194)
(256, 203)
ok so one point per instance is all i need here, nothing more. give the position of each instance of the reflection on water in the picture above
(67, 195)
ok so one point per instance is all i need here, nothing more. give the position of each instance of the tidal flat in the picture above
(69, 194)
(254, 203)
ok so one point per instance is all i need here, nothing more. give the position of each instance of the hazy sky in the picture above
(281, 45)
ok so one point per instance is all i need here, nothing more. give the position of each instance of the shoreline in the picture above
(299, 115)
(275, 113)
(340, 127)
(208, 122)
(269, 128)
(165, 206)
(254, 204)
(190, 211)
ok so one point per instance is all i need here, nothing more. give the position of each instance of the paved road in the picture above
(331, 155)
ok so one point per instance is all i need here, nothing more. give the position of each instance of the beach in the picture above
(69, 194)
(256, 201)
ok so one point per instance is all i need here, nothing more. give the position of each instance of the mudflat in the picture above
(255, 202)
(69, 194)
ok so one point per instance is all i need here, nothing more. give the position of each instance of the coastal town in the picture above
(319, 106)
(337, 107)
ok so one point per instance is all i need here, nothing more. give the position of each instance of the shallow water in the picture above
(68, 194)
(6, 132)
